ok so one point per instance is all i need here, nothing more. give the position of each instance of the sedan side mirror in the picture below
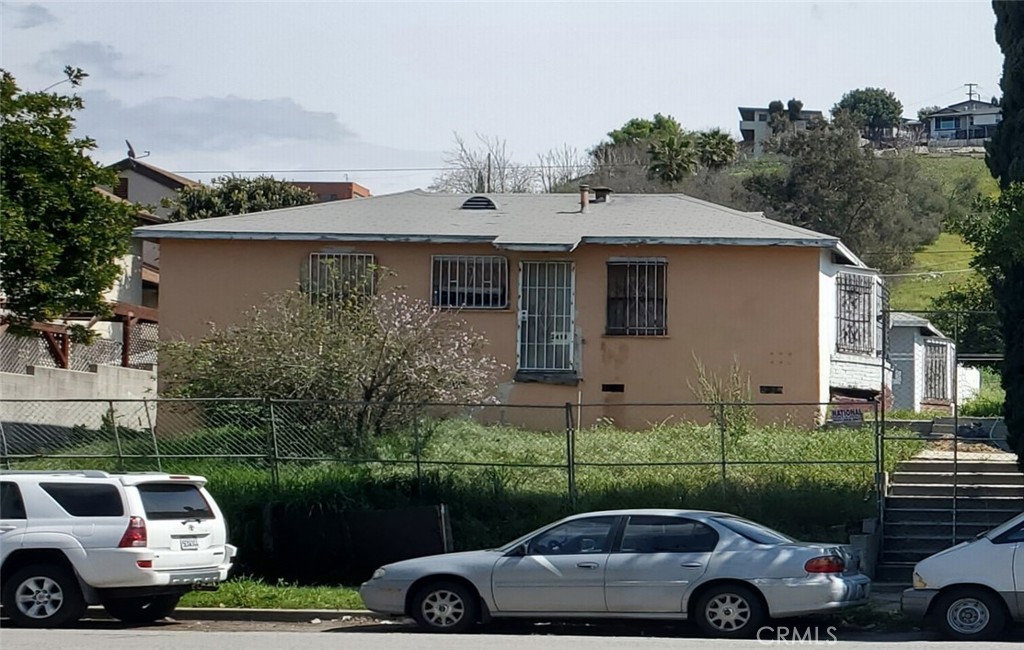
(519, 551)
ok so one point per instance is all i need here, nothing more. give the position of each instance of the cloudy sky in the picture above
(374, 92)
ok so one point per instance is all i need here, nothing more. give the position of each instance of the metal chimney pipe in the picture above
(584, 197)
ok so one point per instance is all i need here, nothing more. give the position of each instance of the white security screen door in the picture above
(546, 326)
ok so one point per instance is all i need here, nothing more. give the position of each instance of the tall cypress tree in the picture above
(1005, 152)
(1001, 257)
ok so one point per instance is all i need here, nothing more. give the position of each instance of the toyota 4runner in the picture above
(134, 543)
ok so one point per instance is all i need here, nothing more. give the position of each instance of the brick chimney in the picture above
(584, 197)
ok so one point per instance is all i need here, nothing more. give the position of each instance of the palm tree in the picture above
(673, 158)
(715, 149)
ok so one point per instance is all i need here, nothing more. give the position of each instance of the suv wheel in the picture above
(144, 609)
(43, 595)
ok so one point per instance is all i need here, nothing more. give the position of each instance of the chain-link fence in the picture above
(286, 441)
(19, 352)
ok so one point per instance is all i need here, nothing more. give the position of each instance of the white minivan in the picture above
(134, 543)
(972, 590)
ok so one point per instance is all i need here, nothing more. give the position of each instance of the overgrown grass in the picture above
(948, 170)
(253, 593)
(989, 402)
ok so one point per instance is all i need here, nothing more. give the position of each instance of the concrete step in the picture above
(895, 573)
(997, 504)
(944, 517)
(936, 490)
(923, 544)
(960, 478)
(911, 556)
(962, 465)
(895, 528)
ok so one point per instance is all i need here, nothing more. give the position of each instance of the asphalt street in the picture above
(348, 637)
(363, 634)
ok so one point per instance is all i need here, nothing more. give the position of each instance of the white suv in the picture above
(134, 543)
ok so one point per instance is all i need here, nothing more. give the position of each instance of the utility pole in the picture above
(970, 91)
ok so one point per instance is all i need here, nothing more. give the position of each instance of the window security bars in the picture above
(469, 281)
(936, 370)
(855, 314)
(338, 276)
(636, 297)
(546, 326)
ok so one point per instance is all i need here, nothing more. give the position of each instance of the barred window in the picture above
(636, 297)
(856, 313)
(936, 370)
(469, 281)
(337, 276)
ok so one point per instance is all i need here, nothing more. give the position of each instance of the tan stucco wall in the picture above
(757, 305)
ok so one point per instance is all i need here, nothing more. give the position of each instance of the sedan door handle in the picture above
(587, 565)
(7, 529)
(692, 565)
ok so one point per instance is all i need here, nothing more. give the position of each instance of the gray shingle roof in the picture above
(903, 319)
(526, 221)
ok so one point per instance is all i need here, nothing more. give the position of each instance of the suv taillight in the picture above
(135, 535)
(825, 564)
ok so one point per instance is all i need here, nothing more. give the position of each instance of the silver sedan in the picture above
(728, 574)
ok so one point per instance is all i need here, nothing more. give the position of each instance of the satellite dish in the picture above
(131, 149)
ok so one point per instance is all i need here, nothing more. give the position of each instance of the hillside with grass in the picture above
(945, 262)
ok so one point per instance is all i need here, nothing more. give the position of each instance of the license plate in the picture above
(189, 543)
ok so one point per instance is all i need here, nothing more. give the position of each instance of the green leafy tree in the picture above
(968, 313)
(61, 237)
(361, 362)
(873, 109)
(642, 131)
(923, 113)
(228, 195)
(1005, 152)
(715, 150)
(884, 208)
(673, 158)
(996, 231)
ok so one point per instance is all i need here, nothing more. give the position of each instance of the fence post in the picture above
(721, 441)
(152, 433)
(879, 469)
(418, 451)
(117, 435)
(3, 440)
(272, 449)
(570, 455)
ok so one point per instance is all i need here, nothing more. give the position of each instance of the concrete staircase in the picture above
(986, 490)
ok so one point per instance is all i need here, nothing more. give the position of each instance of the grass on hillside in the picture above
(947, 170)
(936, 269)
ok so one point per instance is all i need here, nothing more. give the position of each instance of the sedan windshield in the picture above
(754, 532)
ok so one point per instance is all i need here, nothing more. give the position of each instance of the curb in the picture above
(258, 615)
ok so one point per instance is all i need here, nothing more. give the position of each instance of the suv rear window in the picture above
(86, 500)
(174, 501)
(11, 505)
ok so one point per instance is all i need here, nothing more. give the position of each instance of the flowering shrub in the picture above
(367, 362)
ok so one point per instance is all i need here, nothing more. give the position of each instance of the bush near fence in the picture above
(498, 481)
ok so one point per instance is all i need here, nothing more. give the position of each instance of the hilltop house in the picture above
(964, 124)
(755, 127)
(595, 298)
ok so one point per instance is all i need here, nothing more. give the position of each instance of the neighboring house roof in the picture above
(903, 319)
(973, 107)
(537, 222)
(162, 176)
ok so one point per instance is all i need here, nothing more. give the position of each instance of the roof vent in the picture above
(479, 203)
